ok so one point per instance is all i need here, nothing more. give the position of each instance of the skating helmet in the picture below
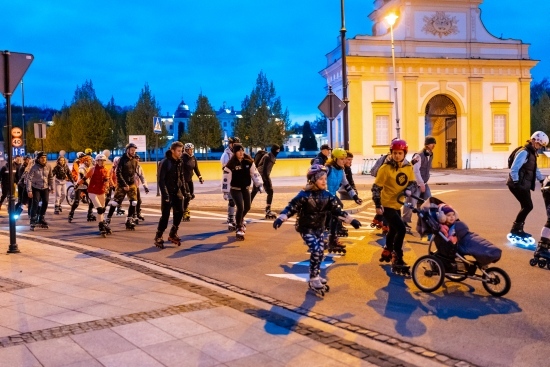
(39, 154)
(100, 157)
(188, 146)
(234, 139)
(115, 161)
(80, 155)
(88, 151)
(399, 144)
(86, 159)
(339, 153)
(315, 172)
(130, 145)
(540, 137)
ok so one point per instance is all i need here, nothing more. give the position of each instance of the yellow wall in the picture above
(211, 170)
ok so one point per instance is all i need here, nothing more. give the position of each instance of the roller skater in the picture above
(98, 177)
(521, 181)
(39, 186)
(394, 176)
(231, 210)
(336, 179)
(314, 203)
(172, 190)
(62, 174)
(140, 180)
(238, 174)
(541, 256)
(265, 164)
(190, 166)
(316, 285)
(81, 187)
(239, 234)
(173, 236)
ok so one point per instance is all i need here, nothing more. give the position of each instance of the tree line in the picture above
(88, 123)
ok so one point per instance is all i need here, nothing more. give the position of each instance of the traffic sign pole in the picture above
(331, 106)
(157, 129)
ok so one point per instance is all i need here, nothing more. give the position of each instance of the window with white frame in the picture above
(499, 128)
(382, 132)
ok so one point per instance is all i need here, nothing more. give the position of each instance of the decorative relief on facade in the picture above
(440, 24)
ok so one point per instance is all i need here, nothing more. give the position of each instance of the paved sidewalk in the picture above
(65, 304)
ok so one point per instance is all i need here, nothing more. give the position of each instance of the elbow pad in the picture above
(376, 191)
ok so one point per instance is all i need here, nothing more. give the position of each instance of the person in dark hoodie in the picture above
(172, 190)
(190, 166)
(323, 156)
(264, 169)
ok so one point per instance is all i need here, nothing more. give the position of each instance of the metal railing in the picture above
(367, 165)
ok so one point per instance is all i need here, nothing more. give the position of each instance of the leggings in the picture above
(316, 247)
(397, 230)
(60, 188)
(77, 196)
(524, 198)
(242, 201)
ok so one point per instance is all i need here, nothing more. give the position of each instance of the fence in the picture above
(368, 163)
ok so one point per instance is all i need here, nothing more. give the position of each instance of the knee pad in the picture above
(113, 203)
(100, 210)
(231, 203)
(133, 203)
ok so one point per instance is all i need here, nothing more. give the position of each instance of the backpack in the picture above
(513, 156)
(379, 162)
(258, 157)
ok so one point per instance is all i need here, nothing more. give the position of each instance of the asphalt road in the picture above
(461, 319)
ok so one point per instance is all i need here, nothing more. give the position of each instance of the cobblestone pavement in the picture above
(66, 304)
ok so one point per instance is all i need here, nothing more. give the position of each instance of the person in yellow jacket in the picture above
(394, 177)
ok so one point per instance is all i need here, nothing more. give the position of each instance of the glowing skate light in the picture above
(527, 243)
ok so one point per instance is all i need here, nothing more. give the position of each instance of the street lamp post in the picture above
(344, 77)
(391, 18)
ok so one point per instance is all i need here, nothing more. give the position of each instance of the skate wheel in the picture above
(542, 264)
(533, 262)
(327, 288)
(530, 241)
(372, 225)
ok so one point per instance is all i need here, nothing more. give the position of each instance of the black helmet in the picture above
(130, 145)
(39, 154)
(234, 139)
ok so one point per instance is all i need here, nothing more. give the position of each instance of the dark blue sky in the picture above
(182, 47)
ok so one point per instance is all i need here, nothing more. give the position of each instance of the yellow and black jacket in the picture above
(391, 180)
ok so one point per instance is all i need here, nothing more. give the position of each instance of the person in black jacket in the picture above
(172, 190)
(323, 156)
(521, 180)
(264, 169)
(5, 180)
(126, 186)
(190, 165)
(313, 204)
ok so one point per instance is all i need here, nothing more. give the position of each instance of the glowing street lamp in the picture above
(391, 18)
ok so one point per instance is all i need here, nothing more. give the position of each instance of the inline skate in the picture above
(33, 223)
(377, 222)
(186, 215)
(173, 236)
(56, 210)
(269, 214)
(318, 285)
(398, 266)
(102, 229)
(159, 242)
(385, 256)
(140, 217)
(518, 236)
(541, 257)
(91, 217)
(342, 231)
(231, 224)
(130, 225)
(108, 229)
(41, 222)
(335, 246)
(239, 235)
(71, 216)
(60, 208)
(408, 229)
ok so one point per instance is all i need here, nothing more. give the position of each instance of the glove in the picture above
(357, 200)
(146, 189)
(355, 223)
(201, 180)
(226, 196)
(277, 223)
(261, 189)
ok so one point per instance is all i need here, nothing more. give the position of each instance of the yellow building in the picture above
(454, 80)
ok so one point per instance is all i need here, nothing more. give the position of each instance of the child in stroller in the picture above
(453, 241)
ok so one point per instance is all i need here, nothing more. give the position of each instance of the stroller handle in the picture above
(403, 195)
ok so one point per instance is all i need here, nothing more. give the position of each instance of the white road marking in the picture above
(301, 277)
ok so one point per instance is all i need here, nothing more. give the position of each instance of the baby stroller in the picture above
(443, 260)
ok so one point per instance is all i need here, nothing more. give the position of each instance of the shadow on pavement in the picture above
(203, 248)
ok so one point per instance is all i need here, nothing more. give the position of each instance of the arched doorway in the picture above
(441, 122)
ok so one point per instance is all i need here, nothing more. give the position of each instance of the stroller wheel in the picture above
(496, 282)
(428, 273)
(533, 262)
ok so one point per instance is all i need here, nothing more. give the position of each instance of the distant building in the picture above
(292, 144)
(228, 118)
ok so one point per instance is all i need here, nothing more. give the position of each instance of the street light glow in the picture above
(391, 18)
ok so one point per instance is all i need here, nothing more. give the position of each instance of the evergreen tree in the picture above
(308, 142)
(119, 137)
(91, 126)
(204, 129)
(319, 126)
(139, 121)
(263, 120)
(540, 114)
(59, 135)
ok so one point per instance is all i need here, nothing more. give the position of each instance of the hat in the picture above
(275, 147)
(237, 147)
(40, 154)
(446, 209)
(429, 140)
(325, 146)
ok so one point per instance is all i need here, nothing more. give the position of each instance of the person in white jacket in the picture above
(238, 174)
(226, 156)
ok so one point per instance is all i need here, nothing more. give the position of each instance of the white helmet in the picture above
(100, 157)
(188, 146)
(540, 137)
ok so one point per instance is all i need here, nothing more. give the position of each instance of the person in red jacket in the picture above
(98, 182)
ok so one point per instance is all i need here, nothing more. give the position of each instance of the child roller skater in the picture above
(313, 204)
(239, 173)
(190, 166)
(394, 177)
(99, 182)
